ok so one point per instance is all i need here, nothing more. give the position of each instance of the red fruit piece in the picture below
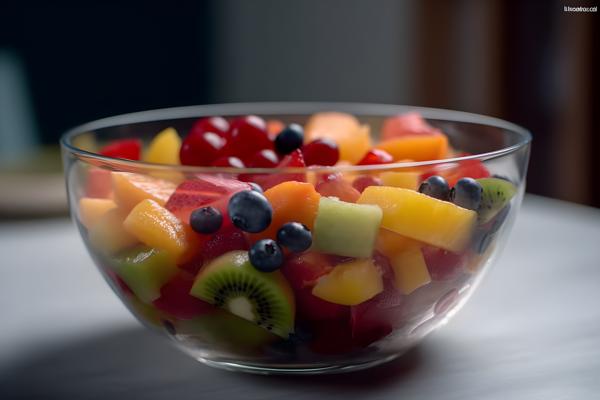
(264, 159)
(99, 183)
(218, 125)
(364, 181)
(336, 186)
(129, 149)
(376, 157)
(231, 162)
(200, 148)
(247, 135)
(442, 264)
(176, 300)
(302, 272)
(202, 191)
(409, 124)
(379, 316)
(223, 242)
(332, 337)
(267, 181)
(321, 152)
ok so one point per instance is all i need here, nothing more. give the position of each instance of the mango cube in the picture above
(423, 218)
(390, 243)
(130, 189)
(350, 283)
(91, 210)
(108, 234)
(164, 148)
(410, 269)
(157, 227)
(406, 180)
(417, 148)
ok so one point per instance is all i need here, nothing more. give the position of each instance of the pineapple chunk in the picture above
(406, 180)
(130, 189)
(423, 218)
(108, 235)
(410, 269)
(390, 243)
(155, 226)
(164, 148)
(350, 283)
(91, 210)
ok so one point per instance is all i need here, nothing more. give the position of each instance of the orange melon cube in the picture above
(418, 148)
(130, 189)
(423, 218)
(91, 210)
(292, 202)
(157, 227)
(353, 139)
(108, 234)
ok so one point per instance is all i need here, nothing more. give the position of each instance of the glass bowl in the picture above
(404, 262)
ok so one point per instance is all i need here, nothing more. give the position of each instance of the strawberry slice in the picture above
(175, 298)
(129, 149)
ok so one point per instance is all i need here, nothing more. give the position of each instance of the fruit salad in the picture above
(283, 251)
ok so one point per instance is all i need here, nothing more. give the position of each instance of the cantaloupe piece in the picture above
(108, 235)
(98, 183)
(157, 227)
(410, 269)
(164, 148)
(130, 189)
(353, 139)
(405, 179)
(292, 202)
(91, 210)
(418, 148)
(423, 218)
(350, 283)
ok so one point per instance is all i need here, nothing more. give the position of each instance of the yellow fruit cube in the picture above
(406, 180)
(410, 269)
(352, 139)
(423, 218)
(390, 243)
(108, 234)
(91, 210)
(130, 189)
(156, 227)
(350, 283)
(164, 148)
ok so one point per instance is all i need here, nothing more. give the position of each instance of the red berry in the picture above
(442, 264)
(321, 152)
(247, 135)
(200, 148)
(176, 300)
(218, 125)
(264, 159)
(364, 181)
(129, 149)
(223, 242)
(376, 157)
(267, 181)
(232, 162)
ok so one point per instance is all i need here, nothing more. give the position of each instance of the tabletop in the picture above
(531, 331)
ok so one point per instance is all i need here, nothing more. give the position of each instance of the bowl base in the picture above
(296, 369)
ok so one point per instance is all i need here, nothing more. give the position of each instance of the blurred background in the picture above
(525, 61)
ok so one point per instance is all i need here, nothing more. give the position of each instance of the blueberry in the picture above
(295, 236)
(289, 139)
(206, 220)
(250, 211)
(467, 194)
(435, 186)
(266, 255)
(256, 187)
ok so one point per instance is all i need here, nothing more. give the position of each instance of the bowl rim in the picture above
(275, 108)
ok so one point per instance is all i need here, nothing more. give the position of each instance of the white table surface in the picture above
(531, 331)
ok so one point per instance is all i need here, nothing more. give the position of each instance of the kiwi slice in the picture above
(232, 283)
(495, 196)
